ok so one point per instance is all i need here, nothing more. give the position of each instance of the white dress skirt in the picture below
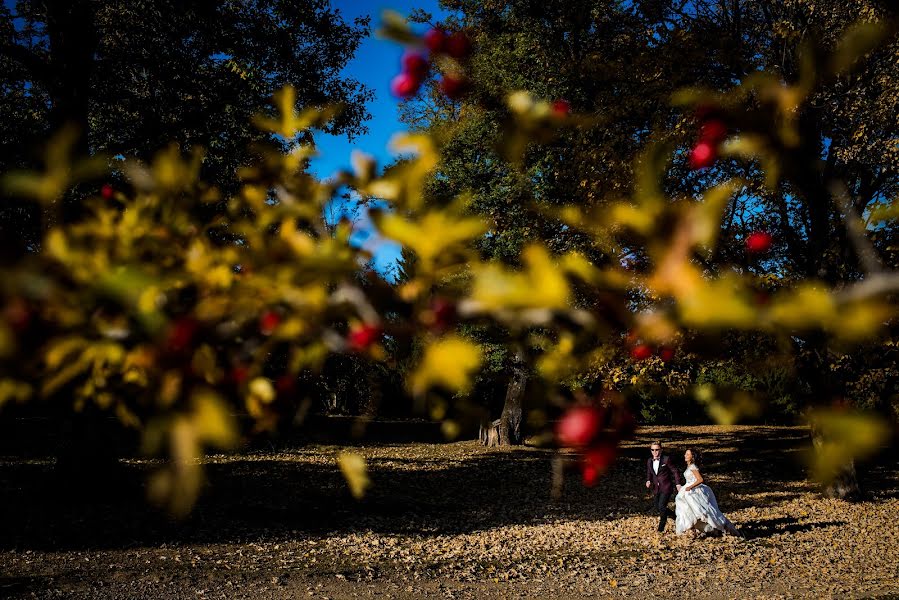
(698, 509)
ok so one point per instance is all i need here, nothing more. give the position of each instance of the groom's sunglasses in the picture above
(655, 449)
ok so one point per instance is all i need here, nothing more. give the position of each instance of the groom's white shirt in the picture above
(655, 465)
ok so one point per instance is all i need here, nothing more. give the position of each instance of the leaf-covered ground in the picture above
(453, 521)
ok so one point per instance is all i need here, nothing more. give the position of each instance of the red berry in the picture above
(107, 191)
(181, 333)
(713, 131)
(458, 46)
(579, 426)
(641, 352)
(362, 337)
(268, 322)
(561, 108)
(442, 314)
(702, 155)
(435, 40)
(286, 383)
(415, 64)
(404, 85)
(239, 374)
(18, 314)
(453, 87)
(597, 461)
(758, 242)
(666, 354)
(589, 473)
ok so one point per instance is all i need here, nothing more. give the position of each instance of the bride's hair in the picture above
(697, 455)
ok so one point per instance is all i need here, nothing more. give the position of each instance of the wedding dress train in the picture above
(698, 509)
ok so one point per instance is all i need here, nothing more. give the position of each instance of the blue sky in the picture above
(376, 62)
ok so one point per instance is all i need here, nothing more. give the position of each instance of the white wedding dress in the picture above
(698, 509)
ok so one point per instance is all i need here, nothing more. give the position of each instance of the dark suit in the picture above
(663, 486)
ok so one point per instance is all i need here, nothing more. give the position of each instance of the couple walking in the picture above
(695, 504)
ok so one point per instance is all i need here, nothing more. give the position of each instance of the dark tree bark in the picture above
(72, 32)
(489, 434)
(510, 421)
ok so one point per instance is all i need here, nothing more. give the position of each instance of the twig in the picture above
(874, 284)
(867, 255)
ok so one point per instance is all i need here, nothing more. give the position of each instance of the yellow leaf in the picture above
(7, 340)
(395, 27)
(638, 218)
(542, 284)
(60, 349)
(842, 436)
(728, 411)
(577, 264)
(403, 183)
(431, 236)
(557, 363)
(858, 40)
(17, 391)
(212, 420)
(520, 102)
(177, 486)
(262, 389)
(706, 216)
(806, 306)
(364, 166)
(717, 303)
(450, 429)
(169, 388)
(205, 364)
(860, 320)
(126, 417)
(447, 362)
(172, 172)
(354, 470)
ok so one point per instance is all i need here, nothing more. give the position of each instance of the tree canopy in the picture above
(134, 77)
(617, 65)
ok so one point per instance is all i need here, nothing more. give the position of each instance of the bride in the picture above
(695, 504)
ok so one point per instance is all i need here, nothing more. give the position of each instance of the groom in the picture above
(662, 478)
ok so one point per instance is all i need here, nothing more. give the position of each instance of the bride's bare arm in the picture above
(695, 483)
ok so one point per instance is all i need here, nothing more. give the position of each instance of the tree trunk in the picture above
(489, 434)
(510, 421)
(72, 34)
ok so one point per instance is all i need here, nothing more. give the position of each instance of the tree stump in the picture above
(489, 434)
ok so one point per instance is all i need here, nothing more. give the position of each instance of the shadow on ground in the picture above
(767, 527)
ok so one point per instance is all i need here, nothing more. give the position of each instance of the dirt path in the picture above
(456, 521)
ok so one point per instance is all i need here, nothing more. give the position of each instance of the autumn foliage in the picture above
(170, 320)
